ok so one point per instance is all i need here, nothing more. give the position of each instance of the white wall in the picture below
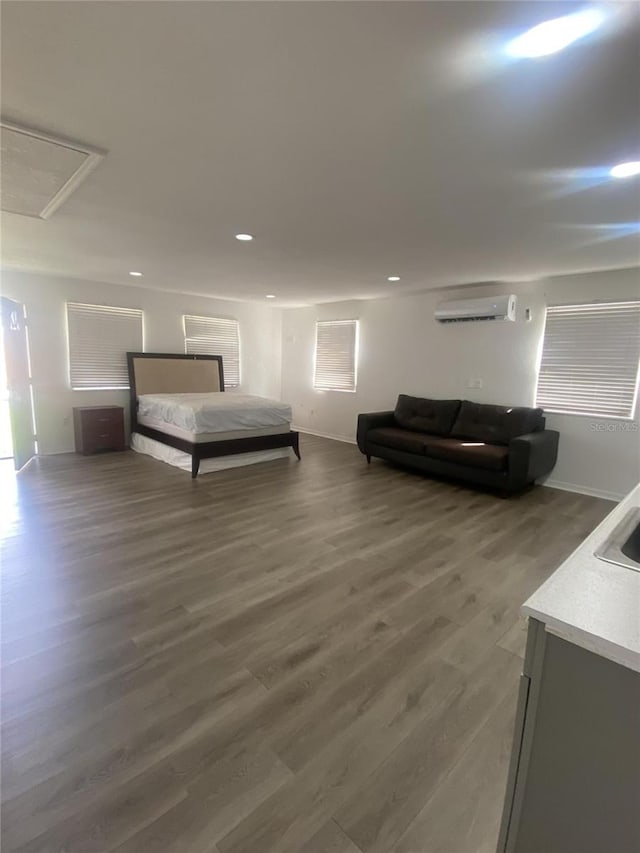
(45, 297)
(404, 350)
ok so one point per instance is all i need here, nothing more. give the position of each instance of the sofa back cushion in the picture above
(495, 424)
(422, 415)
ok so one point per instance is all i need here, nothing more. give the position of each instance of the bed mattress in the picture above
(202, 437)
(218, 412)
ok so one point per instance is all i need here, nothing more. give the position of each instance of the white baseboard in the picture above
(342, 438)
(552, 484)
(583, 490)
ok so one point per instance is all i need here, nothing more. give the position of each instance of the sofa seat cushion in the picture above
(420, 414)
(495, 424)
(398, 439)
(492, 457)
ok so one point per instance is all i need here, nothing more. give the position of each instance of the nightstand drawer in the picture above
(109, 438)
(99, 428)
(101, 419)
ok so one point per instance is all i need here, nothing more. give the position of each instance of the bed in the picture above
(180, 401)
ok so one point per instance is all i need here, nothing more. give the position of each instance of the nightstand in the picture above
(98, 428)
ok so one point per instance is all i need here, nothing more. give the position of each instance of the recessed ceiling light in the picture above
(244, 237)
(133, 272)
(393, 278)
(270, 296)
(626, 170)
(552, 36)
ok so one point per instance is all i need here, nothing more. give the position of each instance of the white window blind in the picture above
(336, 355)
(99, 338)
(213, 336)
(590, 359)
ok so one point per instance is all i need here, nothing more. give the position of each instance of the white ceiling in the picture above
(354, 140)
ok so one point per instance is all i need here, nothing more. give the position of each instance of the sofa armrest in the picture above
(532, 456)
(372, 420)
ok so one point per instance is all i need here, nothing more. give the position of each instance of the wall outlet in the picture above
(474, 383)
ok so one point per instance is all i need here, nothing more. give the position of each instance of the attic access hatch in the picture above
(39, 171)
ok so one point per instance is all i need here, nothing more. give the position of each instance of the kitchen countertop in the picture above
(591, 603)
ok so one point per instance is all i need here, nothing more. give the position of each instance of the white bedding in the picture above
(149, 447)
(215, 412)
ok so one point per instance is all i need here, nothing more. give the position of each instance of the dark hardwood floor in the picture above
(287, 658)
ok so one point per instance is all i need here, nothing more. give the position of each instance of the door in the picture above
(16, 355)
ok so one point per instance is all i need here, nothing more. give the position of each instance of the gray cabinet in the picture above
(574, 778)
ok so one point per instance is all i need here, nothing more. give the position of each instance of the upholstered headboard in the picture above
(172, 373)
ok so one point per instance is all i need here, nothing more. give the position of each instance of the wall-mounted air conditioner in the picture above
(485, 308)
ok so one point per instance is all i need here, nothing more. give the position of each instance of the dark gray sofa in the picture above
(497, 446)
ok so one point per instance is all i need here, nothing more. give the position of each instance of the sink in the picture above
(622, 547)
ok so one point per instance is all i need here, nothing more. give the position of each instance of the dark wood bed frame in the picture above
(208, 449)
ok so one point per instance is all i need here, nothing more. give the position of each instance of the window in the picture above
(213, 336)
(336, 355)
(99, 338)
(590, 359)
